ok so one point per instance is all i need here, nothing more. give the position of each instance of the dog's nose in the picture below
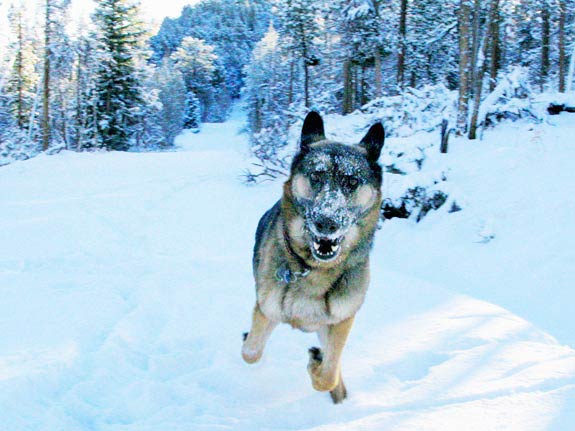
(326, 225)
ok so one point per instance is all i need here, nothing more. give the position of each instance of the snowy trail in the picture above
(125, 283)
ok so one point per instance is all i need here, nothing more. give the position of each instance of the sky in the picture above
(153, 10)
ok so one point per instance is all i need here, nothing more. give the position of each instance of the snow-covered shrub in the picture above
(414, 110)
(269, 147)
(15, 145)
(510, 100)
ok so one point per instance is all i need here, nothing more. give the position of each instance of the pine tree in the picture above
(117, 90)
(23, 78)
(431, 43)
(267, 101)
(198, 64)
(57, 66)
(192, 112)
(172, 96)
(299, 29)
(465, 54)
(266, 93)
(85, 113)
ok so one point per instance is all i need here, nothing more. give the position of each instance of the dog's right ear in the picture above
(312, 131)
(373, 141)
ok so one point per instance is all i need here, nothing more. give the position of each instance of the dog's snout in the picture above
(326, 225)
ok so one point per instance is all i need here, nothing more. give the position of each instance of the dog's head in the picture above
(333, 186)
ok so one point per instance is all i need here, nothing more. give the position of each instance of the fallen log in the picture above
(556, 108)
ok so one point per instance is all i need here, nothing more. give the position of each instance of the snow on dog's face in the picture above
(334, 185)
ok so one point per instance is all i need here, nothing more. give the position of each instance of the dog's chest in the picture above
(304, 303)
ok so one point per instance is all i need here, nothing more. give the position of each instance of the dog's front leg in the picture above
(255, 340)
(325, 365)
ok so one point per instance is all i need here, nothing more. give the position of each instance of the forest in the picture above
(115, 85)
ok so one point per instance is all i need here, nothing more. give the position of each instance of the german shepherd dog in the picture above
(311, 255)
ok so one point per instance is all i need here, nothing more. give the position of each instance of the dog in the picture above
(311, 253)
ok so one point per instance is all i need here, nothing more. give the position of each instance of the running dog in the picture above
(311, 253)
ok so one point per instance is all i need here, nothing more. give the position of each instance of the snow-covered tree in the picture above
(24, 78)
(367, 28)
(231, 27)
(118, 88)
(58, 60)
(192, 112)
(172, 95)
(203, 76)
(299, 28)
(267, 100)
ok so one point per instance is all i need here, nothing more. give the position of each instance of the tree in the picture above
(172, 95)
(117, 90)
(57, 65)
(192, 112)
(464, 27)
(364, 36)
(299, 29)
(267, 101)
(202, 75)
(431, 42)
(562, 43)
(232, 28)
(84, 120)
(481, 64)
(401, 44)
(545, 43)
(23, 79)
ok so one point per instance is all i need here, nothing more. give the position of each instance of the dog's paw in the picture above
(250, 353)
(322, 377)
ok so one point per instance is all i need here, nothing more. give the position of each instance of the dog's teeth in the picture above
(316, 246)
(334, 248)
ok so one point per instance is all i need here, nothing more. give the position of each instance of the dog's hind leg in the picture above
(255, 340)
(325, 365)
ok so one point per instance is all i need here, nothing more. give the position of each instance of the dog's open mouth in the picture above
(325, 249)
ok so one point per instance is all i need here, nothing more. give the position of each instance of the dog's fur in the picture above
(311, 256)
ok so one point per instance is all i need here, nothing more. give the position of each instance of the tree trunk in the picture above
(401, 46)
(291, 79)
(545, 36)
(571, 71)
(20, 73)
(347, 87)
(306, 84)
(377, 71)
(481, 69)
(478, 87)
(562, 56)
(363, 90)
(46, 91)
(495, 46)
(355, 83)
(463, 25)
(79, 113)
(475, 42)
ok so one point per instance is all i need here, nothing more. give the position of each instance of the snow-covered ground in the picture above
(125, 286)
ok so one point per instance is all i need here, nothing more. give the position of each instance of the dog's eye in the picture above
(315, 177)
(351, 182)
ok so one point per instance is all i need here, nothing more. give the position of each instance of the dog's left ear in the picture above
(312, 131)
(373, 141)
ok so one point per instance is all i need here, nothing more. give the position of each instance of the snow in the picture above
(126, 285)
